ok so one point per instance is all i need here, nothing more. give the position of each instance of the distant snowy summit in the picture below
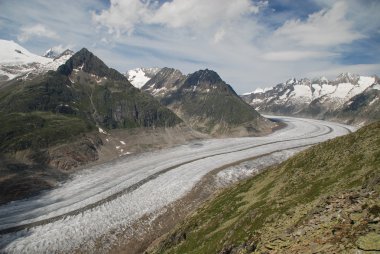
(51, 53)
(139, 76)
(16, 61)
(344, 87)
(346, 97)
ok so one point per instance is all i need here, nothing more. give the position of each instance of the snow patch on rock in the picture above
(139, 76)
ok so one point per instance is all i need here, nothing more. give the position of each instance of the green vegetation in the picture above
(265, 212)
(44, 93)
(51, 109)
(36, 130)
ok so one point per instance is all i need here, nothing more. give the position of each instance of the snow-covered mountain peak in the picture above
(295, 94)
(320, 80)
(258, 90)
(12, 53)
(16, 61)
(50, 53)
(139, 76)
(291, 81)
(347, 77)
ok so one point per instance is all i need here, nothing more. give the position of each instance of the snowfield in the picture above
(139, 76)
(338, 91)
(16, 61)
(107, 199)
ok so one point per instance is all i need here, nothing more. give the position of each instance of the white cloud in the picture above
(193, 34)
(285, 56)
(124, 15)
(58, 48)
(328, 27)
(200, 13)
(38, 30)
(219, 35)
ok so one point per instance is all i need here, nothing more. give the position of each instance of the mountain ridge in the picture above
(321, 98)
(205, 102)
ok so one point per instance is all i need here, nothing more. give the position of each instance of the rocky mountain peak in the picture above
(320, 80)
(347, 77)
(54, 54)
(291, 81)
(165, 79)
(206, 81)
(204, 76)
(169, 71)
(86, 59)
(50, 53)
(67, 52)
(88, 62)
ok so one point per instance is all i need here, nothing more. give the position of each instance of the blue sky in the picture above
(249, 43)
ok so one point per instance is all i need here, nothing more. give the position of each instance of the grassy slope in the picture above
(19, 131)
(49, 110)
(250, 215)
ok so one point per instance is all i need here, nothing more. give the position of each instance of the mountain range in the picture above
(61, 111)
(206, 103)
(349, 98)
(58, 118)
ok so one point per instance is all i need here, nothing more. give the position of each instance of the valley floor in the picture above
(107, 206)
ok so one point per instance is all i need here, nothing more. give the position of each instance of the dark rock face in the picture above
(362, 108)
(91, 64)
(207, 77)
(205, 102)
(165, 81)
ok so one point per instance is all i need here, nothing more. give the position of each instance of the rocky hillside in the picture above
(18, 62)
(61, 120)
(349, 98)
(206, 103)
(166, 81)
(323, 200)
